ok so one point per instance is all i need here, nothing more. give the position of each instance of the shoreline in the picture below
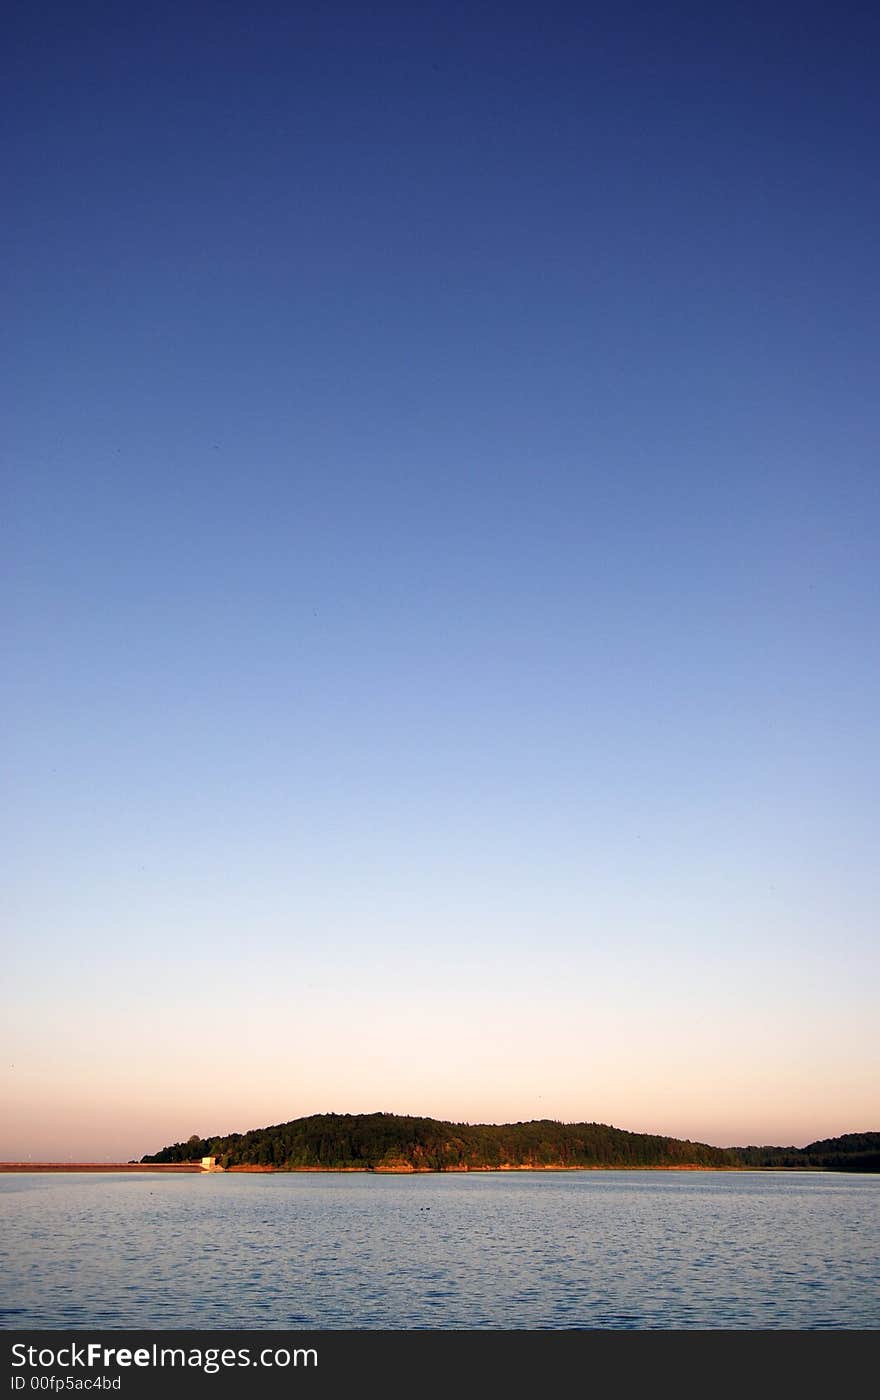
(479, 1171)
(185, 1169)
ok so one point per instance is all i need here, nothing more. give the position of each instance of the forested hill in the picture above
(853, 1152)
(389, 1142)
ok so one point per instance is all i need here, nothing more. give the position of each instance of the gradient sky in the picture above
(442, 508)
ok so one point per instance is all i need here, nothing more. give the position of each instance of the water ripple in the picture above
(583, 1250)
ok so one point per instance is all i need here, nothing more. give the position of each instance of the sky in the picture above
(440, 568)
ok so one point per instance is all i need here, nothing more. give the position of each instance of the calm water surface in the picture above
(590, 1249)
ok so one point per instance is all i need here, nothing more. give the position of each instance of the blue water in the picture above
(570, 1250)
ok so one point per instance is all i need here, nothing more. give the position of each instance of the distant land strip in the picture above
(389, 1142)
(176, 1167)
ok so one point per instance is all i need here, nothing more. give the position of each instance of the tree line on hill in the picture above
(853, 1152)
(389, 1141)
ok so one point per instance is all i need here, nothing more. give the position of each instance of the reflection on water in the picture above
(572, 1250)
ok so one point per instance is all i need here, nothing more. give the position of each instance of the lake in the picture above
(531, 1250)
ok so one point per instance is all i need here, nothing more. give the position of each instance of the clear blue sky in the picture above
(441, 566)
